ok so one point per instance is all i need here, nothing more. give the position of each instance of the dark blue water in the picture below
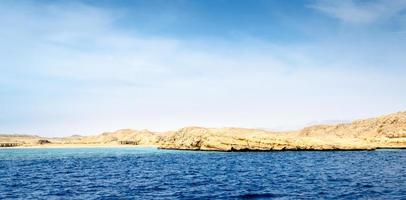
(134, 173)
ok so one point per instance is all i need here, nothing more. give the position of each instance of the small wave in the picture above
(259, 195)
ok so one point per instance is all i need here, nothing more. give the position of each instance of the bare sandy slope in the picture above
(387, 131)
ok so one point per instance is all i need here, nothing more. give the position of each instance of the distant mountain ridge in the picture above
(388, 131)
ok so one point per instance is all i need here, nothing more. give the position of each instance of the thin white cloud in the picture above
(73, 70)
(360, 12)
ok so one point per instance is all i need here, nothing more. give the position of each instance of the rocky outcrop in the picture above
(383, 132)
(387, 131)
(236, 139)
(43, 141)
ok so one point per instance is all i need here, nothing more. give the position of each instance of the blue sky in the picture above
(84, 67)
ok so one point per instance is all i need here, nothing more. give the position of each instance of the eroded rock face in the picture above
(196, 138)
(385, 131)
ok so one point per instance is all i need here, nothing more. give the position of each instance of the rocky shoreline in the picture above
(387, 131)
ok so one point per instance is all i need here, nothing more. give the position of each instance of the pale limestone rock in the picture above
(381, 132)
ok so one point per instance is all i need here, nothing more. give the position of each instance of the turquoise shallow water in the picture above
(148, 173)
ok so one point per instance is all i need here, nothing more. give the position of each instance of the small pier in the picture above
(9, 144)
(128, 142)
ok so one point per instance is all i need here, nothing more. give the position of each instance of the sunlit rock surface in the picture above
(387, 131)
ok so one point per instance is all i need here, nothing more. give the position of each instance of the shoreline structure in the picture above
(388, 131)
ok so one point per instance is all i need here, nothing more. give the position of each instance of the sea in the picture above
(150, 173)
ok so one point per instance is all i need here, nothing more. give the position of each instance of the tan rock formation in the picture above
(10, 140)
(237, 139)
(387, 131)
(383, 132)
(124, 136)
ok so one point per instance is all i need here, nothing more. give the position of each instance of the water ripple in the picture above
(132, 173)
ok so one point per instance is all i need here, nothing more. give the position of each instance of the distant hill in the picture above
(387, 131)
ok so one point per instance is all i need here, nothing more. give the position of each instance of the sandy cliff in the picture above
(382, 132)
(387, 131)
(237, 139)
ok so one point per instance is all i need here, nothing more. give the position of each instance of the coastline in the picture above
(57, 146)
(80, 146)
(384, 132)
(160, 147)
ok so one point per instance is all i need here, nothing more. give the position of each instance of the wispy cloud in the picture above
(360, 12)
(71, 68)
